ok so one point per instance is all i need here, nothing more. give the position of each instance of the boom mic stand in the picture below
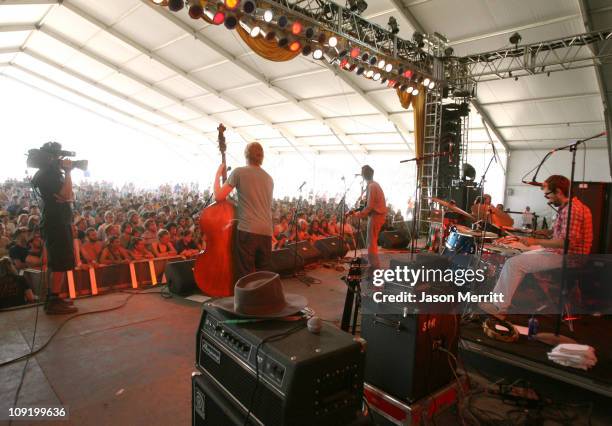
(342, 208)
(295, 238)
(556, 338)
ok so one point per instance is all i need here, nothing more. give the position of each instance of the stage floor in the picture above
(131, 366)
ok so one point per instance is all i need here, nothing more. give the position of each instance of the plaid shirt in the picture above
(581, 228)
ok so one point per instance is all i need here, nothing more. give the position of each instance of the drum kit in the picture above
(460, 239)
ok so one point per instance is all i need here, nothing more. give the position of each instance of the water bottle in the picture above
(533, 328)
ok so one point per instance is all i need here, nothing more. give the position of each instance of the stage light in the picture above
(389, 67)
(176, 5)
(431, 85)
(268, 15)
(231, 4)
(426, 81)
(309, 33)
(306, 50)
(402, 88)
(369, 74)
(393, 26)
(216, 16)
(418, 39)
(381, 64)
(355, 52)
(408, 73)
(317, 54)
(365, 56)
(332, 42)
(515, 39)
(449, 51)
(357, 6)
(360, 70)
(296, 28)
(344, 62)
(390, 83)
(282, 22)
(373, 60)
(230, 22)
(384, 80)
(196, 10)
(250, 27)
(295, 45)
(343, 53)
(376, 76)
(397, 85)
(351, 67)
(161, 2)
(269, 34)
(282, 40)
(415, 92)
(400, 71)
(248, 6)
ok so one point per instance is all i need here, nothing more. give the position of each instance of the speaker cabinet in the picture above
(306, 251)
(179, 276)
(394, 239)
(331, 248)
(284, 262)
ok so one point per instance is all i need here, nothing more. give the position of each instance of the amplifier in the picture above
(179, 276)
(304, 378)
(394, 239)
(414, 368)
(284, 262)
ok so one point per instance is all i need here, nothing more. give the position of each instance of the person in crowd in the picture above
(112, 253)
(314, 232)
(4, 241)
(126, 235)
(134, 218)
(172, 229)
(150, 233)
(91, 248)
(81, 226)
(9, 226)
(22, 220)
(14, 289)
(35, 245)
(186, 246)
(139, 250)
(19, 252)
(163, 247)
(109, 220)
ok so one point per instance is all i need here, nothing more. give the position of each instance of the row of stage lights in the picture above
(296, 36)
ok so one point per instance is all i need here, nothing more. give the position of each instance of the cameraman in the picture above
(54, 184)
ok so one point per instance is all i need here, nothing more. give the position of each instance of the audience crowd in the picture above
(120, 224)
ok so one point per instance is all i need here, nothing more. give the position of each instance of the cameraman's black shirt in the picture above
(49, 182)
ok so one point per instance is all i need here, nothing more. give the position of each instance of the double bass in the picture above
(214, 268)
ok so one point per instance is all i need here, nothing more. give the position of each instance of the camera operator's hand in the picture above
(66, 164)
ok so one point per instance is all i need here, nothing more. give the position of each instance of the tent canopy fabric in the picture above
(177, 77)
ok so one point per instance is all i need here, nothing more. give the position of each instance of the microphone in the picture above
(302, 185)
(357, 174)
(604, 133)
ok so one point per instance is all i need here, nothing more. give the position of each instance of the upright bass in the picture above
(214, 268)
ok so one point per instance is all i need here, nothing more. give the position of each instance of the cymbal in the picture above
(451, 207)
(491, 214)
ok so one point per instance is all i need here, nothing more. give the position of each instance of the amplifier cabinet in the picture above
(304, 378)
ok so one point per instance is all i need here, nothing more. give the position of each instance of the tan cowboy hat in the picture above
(260, 295)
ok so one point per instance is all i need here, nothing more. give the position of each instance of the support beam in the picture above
(488, 122)
(16, 28)
(543, 99)
(154, 56)
(250, 71)
(26, 2)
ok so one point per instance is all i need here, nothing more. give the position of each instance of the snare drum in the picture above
(459, 243)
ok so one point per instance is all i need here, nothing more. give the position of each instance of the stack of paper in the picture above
(573, 355)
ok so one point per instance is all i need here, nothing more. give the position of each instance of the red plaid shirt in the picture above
(581, 228)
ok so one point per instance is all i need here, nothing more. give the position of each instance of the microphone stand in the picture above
(342, 207)
(556, 338)
(295, 239)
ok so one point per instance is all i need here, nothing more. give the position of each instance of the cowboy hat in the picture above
(260, 295)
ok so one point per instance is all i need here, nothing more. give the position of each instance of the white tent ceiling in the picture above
(177, 78)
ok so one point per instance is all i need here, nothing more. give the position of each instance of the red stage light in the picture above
(355, 52)
(408, 73)
(218, 18)
(196, 11)
(296, 28)
(344, 62)
(294, 46)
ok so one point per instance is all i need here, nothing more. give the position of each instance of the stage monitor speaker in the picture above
(402, 359)
(464, 195)
(598, 197)
(394, 239)
(306, 251)
(179, 276)
(331, 247)
(284, 262)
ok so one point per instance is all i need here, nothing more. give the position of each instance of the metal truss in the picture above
(335, 18)
(561, 54)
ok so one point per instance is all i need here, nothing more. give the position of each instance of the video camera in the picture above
(50, 153)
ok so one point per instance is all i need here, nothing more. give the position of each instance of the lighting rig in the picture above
(329, 32)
